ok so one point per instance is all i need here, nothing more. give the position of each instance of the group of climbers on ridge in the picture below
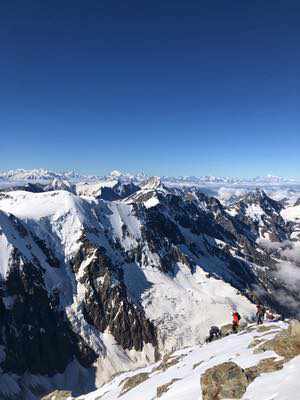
(261, 312)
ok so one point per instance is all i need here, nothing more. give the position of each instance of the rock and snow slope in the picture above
(178, 376)
(102, 286)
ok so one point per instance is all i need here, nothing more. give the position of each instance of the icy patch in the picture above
(151, 202)
(185, 307)
(5, 251)
(117, 360)
(291, 213)
(255, 212)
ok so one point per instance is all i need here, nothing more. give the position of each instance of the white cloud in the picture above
(289, 273)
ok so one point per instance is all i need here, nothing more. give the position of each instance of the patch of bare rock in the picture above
(229, 381)
(58, 395)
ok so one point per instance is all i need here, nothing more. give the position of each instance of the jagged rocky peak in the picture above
(256, 202)
(110, 190)
(262, 215)
(125, 189)
(60, 184)
(204, 200)
(297, 202)
(151, 192)
(152, 183)
(260, 197)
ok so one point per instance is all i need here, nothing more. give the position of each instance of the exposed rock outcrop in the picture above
(224, 381)
(286, 343)
(229, 381)
(58, 395)
(133, 381)
(164, 388)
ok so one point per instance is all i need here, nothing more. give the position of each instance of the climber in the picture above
(260, 314)
(214, 333)
(235, 321)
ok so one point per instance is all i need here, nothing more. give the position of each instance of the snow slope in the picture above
(58, 216)
(190, 363)
(291, 213)
(186, 306)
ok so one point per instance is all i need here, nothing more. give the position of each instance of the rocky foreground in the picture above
(258, 363)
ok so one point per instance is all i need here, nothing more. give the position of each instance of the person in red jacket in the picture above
(235, 321)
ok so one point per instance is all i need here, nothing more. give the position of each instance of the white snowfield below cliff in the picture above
(187, 365)
(291, 213)
(182, 307)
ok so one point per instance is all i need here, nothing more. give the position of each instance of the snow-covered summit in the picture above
(115, 174)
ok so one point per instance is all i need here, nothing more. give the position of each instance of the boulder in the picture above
(224, 381)
(226, 329)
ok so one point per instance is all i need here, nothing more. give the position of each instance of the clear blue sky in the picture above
(167, 87)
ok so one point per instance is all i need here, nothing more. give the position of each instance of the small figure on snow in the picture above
(260, 314)
(235, 321)
(214, 333)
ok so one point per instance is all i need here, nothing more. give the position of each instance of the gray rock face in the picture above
(36, 335)
(106, 304)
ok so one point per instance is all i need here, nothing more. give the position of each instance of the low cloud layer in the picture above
(290, 274)
(288, 270)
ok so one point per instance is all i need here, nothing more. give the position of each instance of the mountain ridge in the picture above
(41, 174)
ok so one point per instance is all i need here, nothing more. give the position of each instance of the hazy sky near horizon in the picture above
(168, 87)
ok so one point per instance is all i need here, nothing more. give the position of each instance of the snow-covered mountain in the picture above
(44, 175)
(103, 281)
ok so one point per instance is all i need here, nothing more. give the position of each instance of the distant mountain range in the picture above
(44, 175)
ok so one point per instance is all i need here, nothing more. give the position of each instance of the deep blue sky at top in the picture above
(167, 87)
